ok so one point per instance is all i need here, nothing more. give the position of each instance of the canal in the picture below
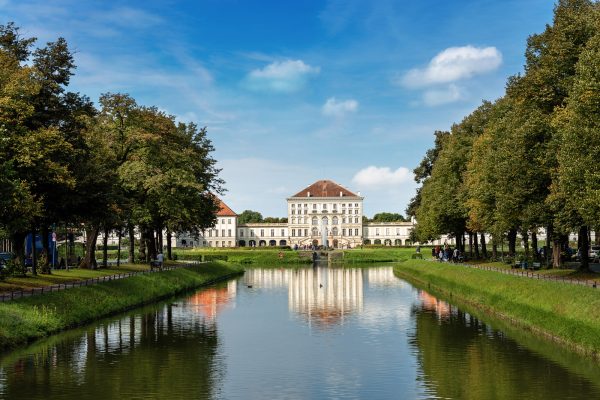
(308, 333)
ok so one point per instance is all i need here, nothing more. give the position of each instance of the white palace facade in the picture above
(324, 213)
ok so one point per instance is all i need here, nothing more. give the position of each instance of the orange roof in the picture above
(325, 188)
(224, 210)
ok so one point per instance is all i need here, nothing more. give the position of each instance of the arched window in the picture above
(335, 221)
(334, 231)
(315, 232)
(315, 221)
(325, 221)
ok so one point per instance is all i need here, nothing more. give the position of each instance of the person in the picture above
(160, 259)
(418, 249)
(456, 254)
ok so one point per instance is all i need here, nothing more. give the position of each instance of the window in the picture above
(343, 205)
(315, 221)
(293, 232)
(343, 211)
(356, 232)
(293, 212)
(324, 206)
(241, 233)
(335, 221)
(356, 205)
(229, 232)
(377, 232)
(293, 206)
(262, 232)
(335, 206)
(356, 211)
(306, 232)
(343, 220)
(229, 243)
(223, 222)
(387, 231)
(305, 212)
(251, 232)
(397, 231)
(315, 231)
(223, 244)
(223, 233)
(229, 220)
(314, 206)
(349, 232)
(216, 233)
(344, 232)
(272, 232)
(334, 231)
(283, 232)
(325, 221)
(356, 220)
(210, 233)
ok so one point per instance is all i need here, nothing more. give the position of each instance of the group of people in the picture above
(446, 253)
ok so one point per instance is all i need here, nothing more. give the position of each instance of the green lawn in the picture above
(567, 313)
(30, 281)
(34, 317)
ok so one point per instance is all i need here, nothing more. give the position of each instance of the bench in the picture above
(536, 265)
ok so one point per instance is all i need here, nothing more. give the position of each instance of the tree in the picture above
(578, 185)
(388, 217)
(249, 217)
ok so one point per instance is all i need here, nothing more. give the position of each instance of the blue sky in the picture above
(296, 91)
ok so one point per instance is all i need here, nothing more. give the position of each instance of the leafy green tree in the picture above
(249, 217)
(388, 217)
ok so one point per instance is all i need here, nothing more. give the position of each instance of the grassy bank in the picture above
(258, 257)
(61, 276)
(27, 319)
(565, 313)
(372, 255)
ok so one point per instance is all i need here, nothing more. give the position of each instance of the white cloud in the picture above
(436, 97)
(281, 76)
(380, 177)
(335, 108)
(453, 64)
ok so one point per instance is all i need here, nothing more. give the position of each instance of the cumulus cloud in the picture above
(453, 64)
(335, 108)
(281, 76)
(436, 97)
(373, 176)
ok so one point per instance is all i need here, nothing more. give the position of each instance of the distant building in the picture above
(324, 213)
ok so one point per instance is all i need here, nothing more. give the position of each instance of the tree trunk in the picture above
(151, 243)
(142, 244)
(512, 242)
(484, 252)
(169, 251)
(34, 259)
(494, 249)
(596, 237)
(45, 266)
(18, 246)
(476, 245)
(119, 246)
(549, 233)
(159, 232)
(89, 259)
(584, 249)
(105, 247)
(131, 256)
(534, 245)
(556, 247)
(470, 245)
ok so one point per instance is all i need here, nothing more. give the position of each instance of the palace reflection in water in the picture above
(376, 336)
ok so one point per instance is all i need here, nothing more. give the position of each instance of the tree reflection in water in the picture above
(460, 357)
(169, 351)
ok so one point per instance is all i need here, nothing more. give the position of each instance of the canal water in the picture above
(308, 333)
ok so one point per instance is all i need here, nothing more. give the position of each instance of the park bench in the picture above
(536, 265)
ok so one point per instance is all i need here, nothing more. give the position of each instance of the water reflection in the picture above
(325, 296)
(460, 357)
(166, 351)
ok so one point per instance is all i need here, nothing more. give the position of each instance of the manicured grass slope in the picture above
(566, 313)
(27, 319)
(378, 254)
(256, 257)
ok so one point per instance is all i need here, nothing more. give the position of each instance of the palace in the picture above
(324, 213)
